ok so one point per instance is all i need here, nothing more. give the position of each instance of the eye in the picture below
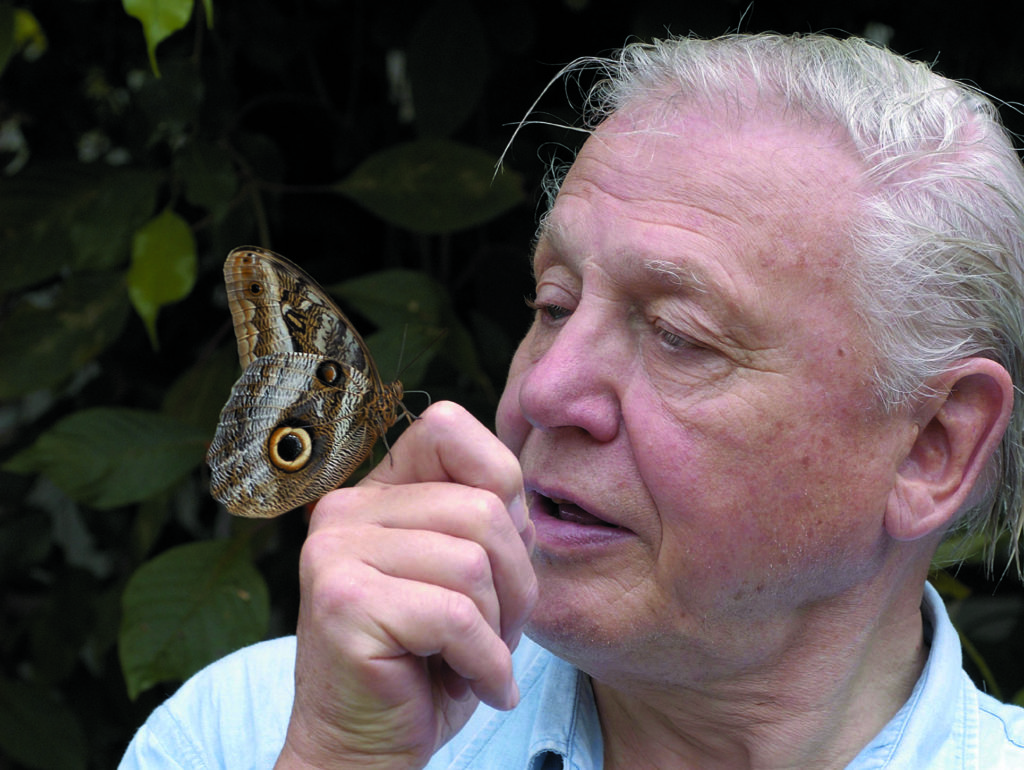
(674, 340)
(671, 339)
(552, 311)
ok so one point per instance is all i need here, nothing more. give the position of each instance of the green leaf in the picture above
(43, 342)
(37, 730)
(199, 394)
(19, 31)
(108, 456)
(432, 186)
(55, 217)
(164, 267)
(33, 253)
(29, 37)
(171, 103)
(151, 516)
(395, 297)
(948, 586)
(404, 352)
(447, 66)
(116, 206)
(460, 349)
(188, 607)
(413, 311)
(160, 19)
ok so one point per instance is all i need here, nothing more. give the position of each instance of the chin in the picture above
(580, 626)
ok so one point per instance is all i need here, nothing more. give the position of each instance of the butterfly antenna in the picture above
(407, 413)
(432, 344)
(401, 349)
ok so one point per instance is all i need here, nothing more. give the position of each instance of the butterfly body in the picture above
(310, 403)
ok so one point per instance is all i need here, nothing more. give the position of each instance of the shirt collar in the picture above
(931, 728)
(567, 723)
(933, 723)
(558, 715)
(555, 724)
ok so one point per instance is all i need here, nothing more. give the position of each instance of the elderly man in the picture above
(778, 325)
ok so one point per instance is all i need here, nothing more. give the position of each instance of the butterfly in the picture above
(310, 403)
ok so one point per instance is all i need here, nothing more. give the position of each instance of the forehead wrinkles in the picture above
(741, 174)
(681, 188)
(769, 191)
(728, 215)
(718, 166)
(691, 232)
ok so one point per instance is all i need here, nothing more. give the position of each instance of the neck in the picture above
(814, 702)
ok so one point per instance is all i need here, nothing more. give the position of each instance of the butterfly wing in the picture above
(309, 404)
(278, 308)
(286, 436)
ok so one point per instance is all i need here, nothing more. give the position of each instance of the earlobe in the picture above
(959, 428)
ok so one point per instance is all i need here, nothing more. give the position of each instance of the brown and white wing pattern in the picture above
(309, 405)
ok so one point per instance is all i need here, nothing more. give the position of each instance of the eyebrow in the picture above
(664, 271)
(546, 230)
(676, 275)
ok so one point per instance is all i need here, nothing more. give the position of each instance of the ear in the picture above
(959, 428)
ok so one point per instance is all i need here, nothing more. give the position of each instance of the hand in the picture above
(415, 587)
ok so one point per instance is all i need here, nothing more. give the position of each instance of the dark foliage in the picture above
(356, 138)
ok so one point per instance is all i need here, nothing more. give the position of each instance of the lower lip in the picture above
(565, 538)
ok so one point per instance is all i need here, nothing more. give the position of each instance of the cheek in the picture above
(730, 479)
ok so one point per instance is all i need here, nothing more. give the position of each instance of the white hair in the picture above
(938, 249)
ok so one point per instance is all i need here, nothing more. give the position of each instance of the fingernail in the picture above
(514, 641)
(529, 536)
(512, 697)
(517, 510)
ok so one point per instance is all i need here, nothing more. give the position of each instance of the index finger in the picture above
(447, 443)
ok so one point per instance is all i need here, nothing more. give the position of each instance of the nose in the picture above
(572, 379)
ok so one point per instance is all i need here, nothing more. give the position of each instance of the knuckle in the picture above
(486, 509)
(475, 568)
(321, 549)
(339, 590)
(336, 598)
(461, 615)
(329, 575)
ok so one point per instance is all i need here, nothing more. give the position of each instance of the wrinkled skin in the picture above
(731, 536)
(705, 405)
(415, 587)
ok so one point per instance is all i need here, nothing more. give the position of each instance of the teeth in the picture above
(567, 510)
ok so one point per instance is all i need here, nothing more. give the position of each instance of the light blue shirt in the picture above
(234, 714)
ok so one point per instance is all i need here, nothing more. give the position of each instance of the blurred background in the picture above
(141, 141)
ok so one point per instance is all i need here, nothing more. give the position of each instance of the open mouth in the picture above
(566, 510)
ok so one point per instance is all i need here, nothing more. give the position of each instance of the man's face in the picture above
(693, 406)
